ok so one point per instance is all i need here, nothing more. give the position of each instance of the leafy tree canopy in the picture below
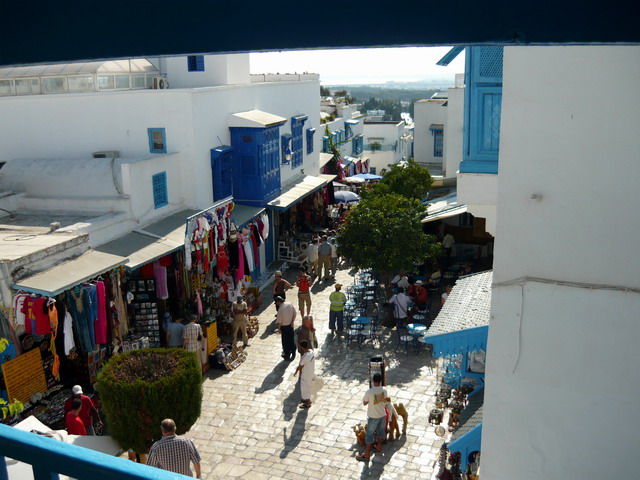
(324, 91)
(384, 232)
(412, 180)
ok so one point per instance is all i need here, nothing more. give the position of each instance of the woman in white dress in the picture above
(306, 367)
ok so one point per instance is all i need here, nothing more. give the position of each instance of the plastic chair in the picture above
(403, 337)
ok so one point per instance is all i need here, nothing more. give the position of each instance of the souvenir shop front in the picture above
(225, 250)
(299, 213)
(62, 325)
(65, 322)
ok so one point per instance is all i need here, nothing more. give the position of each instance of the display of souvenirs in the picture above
(143, 310)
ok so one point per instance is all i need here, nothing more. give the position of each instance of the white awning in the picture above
(451, 212)
(299, 190)
(151, 242)
(255, 119)
(69, 274)
(242, 214)
(325, 158)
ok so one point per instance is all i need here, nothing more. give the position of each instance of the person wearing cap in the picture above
(421, 295)
(336, 309)
(285, 319)
(175, 333)
(240, 321)
(88, 411)
(280, 286)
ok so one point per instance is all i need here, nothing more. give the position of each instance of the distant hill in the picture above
(388, 98)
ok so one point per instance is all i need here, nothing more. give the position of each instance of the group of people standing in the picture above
(322, 254)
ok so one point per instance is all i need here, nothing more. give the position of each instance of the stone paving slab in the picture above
(251, 427)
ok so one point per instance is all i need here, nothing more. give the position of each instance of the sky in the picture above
(355, 66)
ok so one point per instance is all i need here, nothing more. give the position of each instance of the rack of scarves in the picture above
(217, 252)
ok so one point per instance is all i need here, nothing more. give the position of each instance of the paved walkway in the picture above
(251, 426)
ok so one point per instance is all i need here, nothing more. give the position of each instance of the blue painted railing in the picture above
(50, 457)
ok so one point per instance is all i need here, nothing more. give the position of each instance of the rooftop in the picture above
(468, 305)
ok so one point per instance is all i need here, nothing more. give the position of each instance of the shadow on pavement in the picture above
(374, 468)
(274, 378)
(295, 436)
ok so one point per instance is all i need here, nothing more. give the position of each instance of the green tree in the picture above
(324, 91)
(384, 232)
(412, 180)
(141, 388)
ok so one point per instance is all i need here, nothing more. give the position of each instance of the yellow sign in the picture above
(24, 376)
(212, 337)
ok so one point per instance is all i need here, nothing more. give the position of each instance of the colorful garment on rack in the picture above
(79, 305)
(100, 325)
(160, 275)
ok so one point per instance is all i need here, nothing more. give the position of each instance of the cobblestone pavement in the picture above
(251, 426)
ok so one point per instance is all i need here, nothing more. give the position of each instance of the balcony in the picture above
(49, 458)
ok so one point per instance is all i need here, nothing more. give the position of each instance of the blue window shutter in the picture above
(222, 172)
(160, 195)
(310, 133)
(296, 140)
(195, 63)
(325, 144)
(483, 102)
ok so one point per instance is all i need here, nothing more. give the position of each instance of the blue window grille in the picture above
(160, 196)
(325, 144)
(348, 131)
(372, 170)
(357, 145)
(296, 140)
(310, 134)
(157, 140)
(437, 141)
(195, 63)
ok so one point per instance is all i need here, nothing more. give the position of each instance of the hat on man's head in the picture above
(239, 298)
(338, 285)
(279, 299)
(77, 390)
(419, 282)
(167, 315)
(278, 273)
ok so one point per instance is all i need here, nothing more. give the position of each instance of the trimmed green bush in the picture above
(141, 388)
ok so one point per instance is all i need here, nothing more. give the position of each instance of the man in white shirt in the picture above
(447, 243)
(312, 256)
(375, 399)
(400, 302)
(285, 318)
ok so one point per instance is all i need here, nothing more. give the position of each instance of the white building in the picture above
(346, 131)
(159, 144)
(563, 342)
(385, 144)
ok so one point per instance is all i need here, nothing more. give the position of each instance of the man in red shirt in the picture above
(88, 412)
(421, 295)
(75, 426)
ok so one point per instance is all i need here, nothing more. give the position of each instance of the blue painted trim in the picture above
(150, 132)
(470, 166)
(462, 341)
(450, 56)
(52, 457)
(469, 442)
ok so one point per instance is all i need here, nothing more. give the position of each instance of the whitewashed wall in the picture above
(218, 70)
(454, 132)
(562, 364)
(426, 113)
(195, 121)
